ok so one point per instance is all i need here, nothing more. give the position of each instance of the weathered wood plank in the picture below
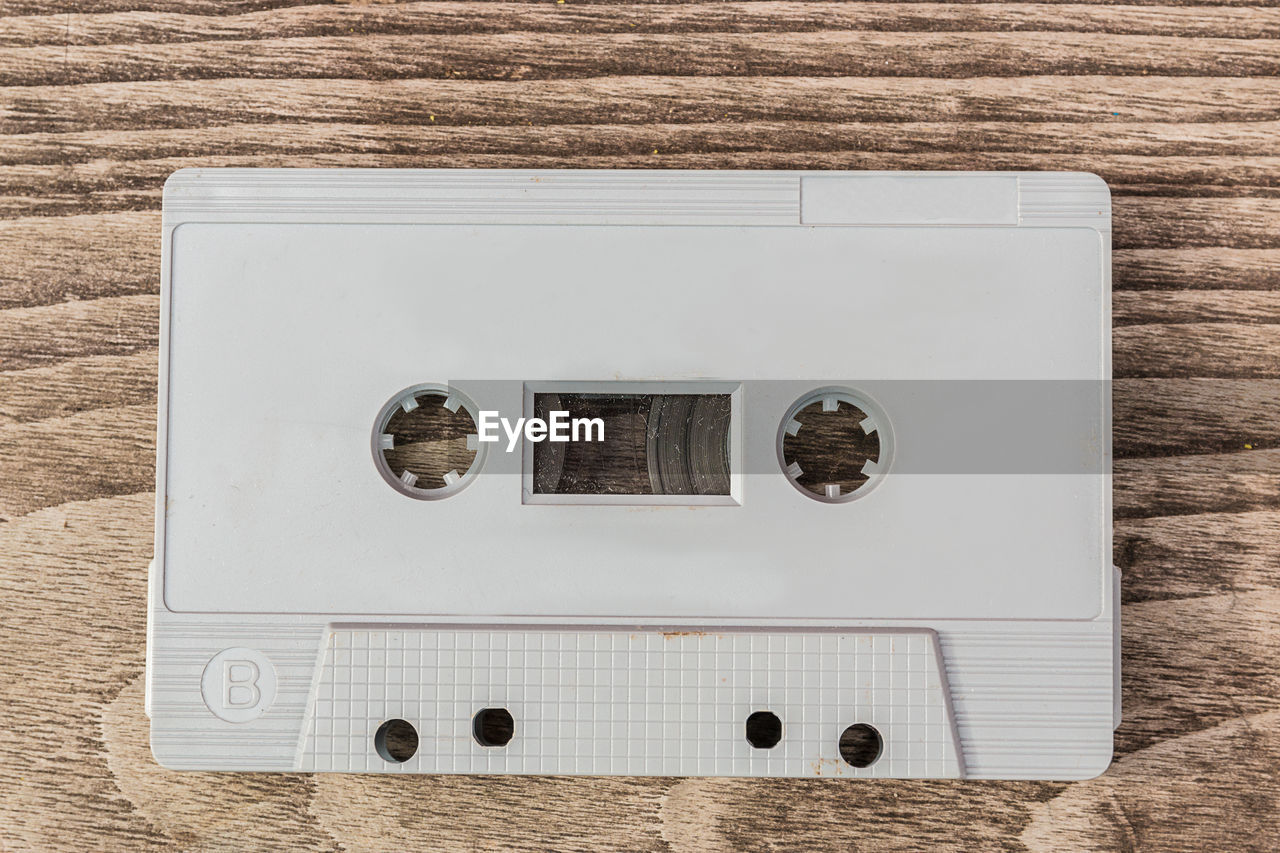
(1214, 306)
(1196, 269)
(114, 325)
(77, 457)
(238, 7)
(1232, 153)
(1165, 417)
(1210, 790)
(1224, 350)
(516, 56)
(681, 815)
(1226, 482)
(622, 100)
(74, 579)
(195, 7)
(45, 260)
(445, 16)
(78, 385)
(1239, 223)
(1193, 664)
(1198, 555)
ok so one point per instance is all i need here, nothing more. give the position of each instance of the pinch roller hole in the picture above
(861, 745)
(396, 741)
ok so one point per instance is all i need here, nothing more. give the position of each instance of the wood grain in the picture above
(1176, 104)
(110, 28)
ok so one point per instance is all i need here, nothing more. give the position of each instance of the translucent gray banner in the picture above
(899, 427)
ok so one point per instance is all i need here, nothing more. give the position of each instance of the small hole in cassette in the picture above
(425, 441)
(830, 445)
(861, 745)
(396, 741)
(764, 730)
(493, 727)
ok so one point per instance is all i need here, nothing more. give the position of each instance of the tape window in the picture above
(653, 444)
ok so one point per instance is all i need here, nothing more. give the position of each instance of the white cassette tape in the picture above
(705, 473)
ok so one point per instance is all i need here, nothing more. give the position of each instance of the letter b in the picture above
(238, 685)
(240, 678)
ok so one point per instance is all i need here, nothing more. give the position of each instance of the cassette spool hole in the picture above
(831, 445)
(493, 727)
(396, 741)
(764, 730)
(425, 442)
(861, 745)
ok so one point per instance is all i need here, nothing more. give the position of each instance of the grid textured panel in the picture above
(632, 703)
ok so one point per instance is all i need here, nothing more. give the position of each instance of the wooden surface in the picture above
(1177, 105)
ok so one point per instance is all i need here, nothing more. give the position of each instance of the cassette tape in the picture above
(626, 472)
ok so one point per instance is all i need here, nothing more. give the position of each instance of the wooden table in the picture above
(1177, 106)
